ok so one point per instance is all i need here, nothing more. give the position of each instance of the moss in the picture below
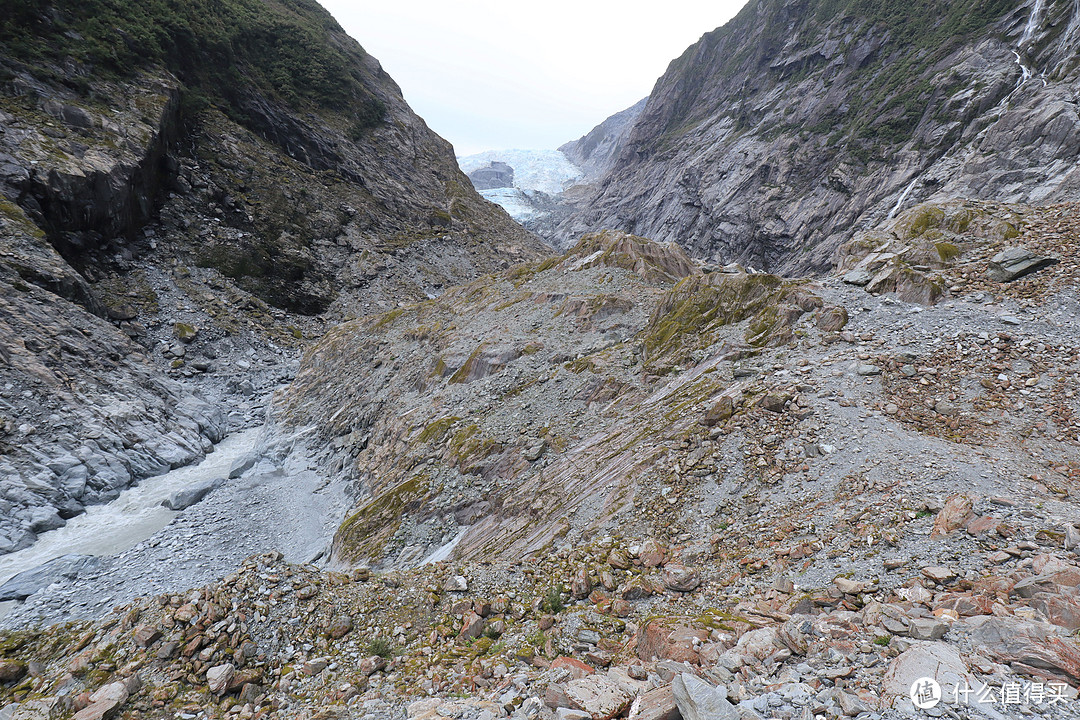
(364, 533)
(919, 220)
(465, 371)
(437, 430)
(947, 251)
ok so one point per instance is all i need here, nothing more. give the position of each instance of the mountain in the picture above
(774, 138)
(598, 149)
(182, 185)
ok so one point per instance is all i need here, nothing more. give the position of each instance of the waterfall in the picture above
(903, 197)
(1032, 23)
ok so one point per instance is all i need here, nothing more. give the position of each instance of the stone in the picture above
(698, 700)
(186, 497)
(680, 578)
(620, 559)
(849, 586)
(939, 574)
(1029, 643)
(472, 627)
(663, 641)
(575, 667)
(241, 465)
(581, 585)
(599, 696)
(1072, 538)
(938, 660)
(1027, 587)
(859, 276)
(29, 582)
(314, 666)
(1060, 610)
(184, 332)
(455, 583)
(927, 629)
(219, 676)
(104, 703)
(340, 626)
(11, 671)
(1013, 263)
(953, 515)
(656, 704)
(868, 370)
(371, 665)
(652, 553)
(146, 635)
(720, 411)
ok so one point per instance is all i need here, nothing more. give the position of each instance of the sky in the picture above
(496, 74)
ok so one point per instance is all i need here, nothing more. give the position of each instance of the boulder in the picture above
(656, 704)
(104, 703)
(698, 700)
(1013, 263)
(598, 695)
(186, 497)
(680, 578)
(219, 676)
(29, 582)
(937, 660)
(1044, 650)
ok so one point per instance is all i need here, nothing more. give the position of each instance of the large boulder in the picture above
(1013, 263)
(29, 582)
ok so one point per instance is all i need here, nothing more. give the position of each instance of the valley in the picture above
(762, 401)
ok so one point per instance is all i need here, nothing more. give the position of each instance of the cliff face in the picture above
(776, 136)
(178, 182)
(598, 149)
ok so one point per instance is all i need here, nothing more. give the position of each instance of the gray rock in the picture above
(1015, 262)
(29, 582)
(1072, 538)
(185, 498)
(241, 465)
(927, 629)
(868, 370)
(44, 519)
(858, 277)
(698, 700)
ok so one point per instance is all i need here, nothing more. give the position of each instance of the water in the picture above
(136, 515)
(903, 197)
(1032, 23)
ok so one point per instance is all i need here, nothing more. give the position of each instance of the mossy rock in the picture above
(918, 220)
(184, 332)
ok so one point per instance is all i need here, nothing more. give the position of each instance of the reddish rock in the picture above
(619, 559)
(665, 642)
(218, 678)
(104, 703)
(371, 665)
(581, 585)
(1060, 610)
(599, 696)
(680, 578)
(472, 628)
(1031, 644)
(953, 516)
(656, 704)
(146, 635)
(576, 668)
(340, 626)
(722, 410)
(652, 553)
(982, 525)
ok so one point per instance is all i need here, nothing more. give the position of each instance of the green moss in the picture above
(947, 251)
(437, 430)
(364, 533)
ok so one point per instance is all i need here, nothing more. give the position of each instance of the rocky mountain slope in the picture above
(597, 150)
(775, 137)
(187, 194)
(619, 483)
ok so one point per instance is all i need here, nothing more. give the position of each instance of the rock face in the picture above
(159, 184)
(495, 175)
(776, 137)
(596, 151)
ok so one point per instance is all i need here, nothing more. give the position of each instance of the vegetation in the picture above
(286, 49)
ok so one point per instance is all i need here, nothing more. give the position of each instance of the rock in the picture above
(581, 585)
(314, 666)
(146, 635)
(455, 583)
(656, 704)
(1035, 645)
(104, 703)
(927, 629)
(371, 665)
(219, 677)
(1060, 610)
(660, 640)
(851, 587)
(340, 626)
(620, 559)
(869, 370)
(859, 276)
(472, 627)
(184, 332)
(939, 574)
(599, 696)
(937, 660)
(1027, 587)
(652, 553)
(1013, 263)
(11, 671)
(241, 465)
(29, 582)
(720, 411)
(185, 498)
(1072, 538)
(680, 578)
(45, 519)
(575, 667)
(698, 700)
(953, 516)
(307, 592)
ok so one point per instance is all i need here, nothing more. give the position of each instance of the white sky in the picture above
(489, 74)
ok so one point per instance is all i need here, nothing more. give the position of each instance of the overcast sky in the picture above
(498, 75)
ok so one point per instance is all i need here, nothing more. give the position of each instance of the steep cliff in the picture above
(775, 137)
(595, 151)
(183, 187)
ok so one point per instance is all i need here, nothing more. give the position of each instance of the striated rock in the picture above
(29, 582)
(953, 516)
(937, 660)
(1035, 648)
(698, 700)
(680, 578)
(1014, 263)
(599, 696)
(656, 704)
(219, 677)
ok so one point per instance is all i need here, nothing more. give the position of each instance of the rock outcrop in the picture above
(776, 137)
(597, 150)
(178, 186)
